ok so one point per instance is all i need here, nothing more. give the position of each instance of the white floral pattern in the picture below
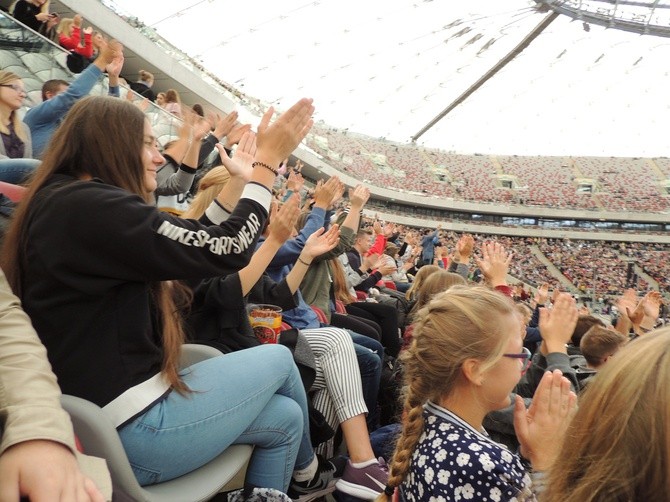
(464, 465)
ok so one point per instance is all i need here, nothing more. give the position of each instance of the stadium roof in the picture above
(513, 77)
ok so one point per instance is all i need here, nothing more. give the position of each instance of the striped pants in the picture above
(337, 389)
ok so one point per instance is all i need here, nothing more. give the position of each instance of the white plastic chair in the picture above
(100, 439)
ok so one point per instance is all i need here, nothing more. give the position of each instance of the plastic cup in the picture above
(266, 322)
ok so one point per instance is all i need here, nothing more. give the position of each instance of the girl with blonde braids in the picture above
(465, 358)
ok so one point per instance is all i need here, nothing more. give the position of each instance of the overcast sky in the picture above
(387, 68)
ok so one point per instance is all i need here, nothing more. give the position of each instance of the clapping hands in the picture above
(240, 164)
(494, 263)
(541, 429)
(558, 324)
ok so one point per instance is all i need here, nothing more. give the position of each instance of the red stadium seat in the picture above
(320, 314)
(12, 192)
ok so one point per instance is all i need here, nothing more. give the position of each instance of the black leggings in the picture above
(361, 326)
(383, 315)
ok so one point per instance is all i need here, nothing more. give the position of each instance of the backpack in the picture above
(76, 63)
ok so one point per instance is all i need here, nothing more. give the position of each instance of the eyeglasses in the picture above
(524, 356)
(16, 87)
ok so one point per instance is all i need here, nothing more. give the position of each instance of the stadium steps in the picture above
(576, 171)
(640, 273)
(553, 270)
(656, 169)
(496, 163)
(598, 202)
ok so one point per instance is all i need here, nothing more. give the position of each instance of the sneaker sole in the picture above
(315, 495)
(359, 491)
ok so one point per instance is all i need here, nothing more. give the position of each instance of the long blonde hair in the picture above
(210, 186)
(420, 276)
(7, 77)
(617, 447)
(456, 325)
(65, 27)
(435, 283)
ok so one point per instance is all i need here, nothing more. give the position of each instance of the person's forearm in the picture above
(191, 157)
(231, 193)
(353, 218)
(265, 171)
(623, 325)
(178, 150)
(260, 260)
(29, 394)
(297, 273)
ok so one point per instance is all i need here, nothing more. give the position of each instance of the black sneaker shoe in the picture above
(323, 482)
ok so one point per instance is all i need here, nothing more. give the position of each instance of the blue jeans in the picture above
(370, 355)
(402, 286)
(16, 171)
(253, 396)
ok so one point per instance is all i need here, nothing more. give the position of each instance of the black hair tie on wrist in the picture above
(389, 490)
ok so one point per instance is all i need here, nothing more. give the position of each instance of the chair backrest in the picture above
(193, 353)
(100, 439)
(339, 307)
(320, 314)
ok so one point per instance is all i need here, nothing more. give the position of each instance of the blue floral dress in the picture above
(455, 462)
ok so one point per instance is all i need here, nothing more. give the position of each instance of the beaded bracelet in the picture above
(266, 166)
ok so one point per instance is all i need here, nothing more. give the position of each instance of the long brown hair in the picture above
(456, 325)
(80, 149)
(617, 447)
(340, 287)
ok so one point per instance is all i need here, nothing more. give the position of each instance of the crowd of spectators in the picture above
(142, 276)
(612, 184)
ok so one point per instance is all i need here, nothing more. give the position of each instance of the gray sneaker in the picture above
(366, 482)
(321, 484)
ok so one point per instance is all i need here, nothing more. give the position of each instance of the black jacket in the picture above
(93, 252)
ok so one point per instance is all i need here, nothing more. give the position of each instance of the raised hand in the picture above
(494, 263)
(235, 134)
(114, 68)
(541, 429)
(646, 311)
(558, 324)
(358, 197)
(224, 125)
(283, 220)
(465, 247)
(321, 241)
(387, 268)
(240, 164)
(201, 127)
(542, 294)
(295, 182)
(108, 52)
(326, 192)
(277, 141)
(370, 261)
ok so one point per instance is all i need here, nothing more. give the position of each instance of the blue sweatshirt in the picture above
(301, 317)
(44, 118)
